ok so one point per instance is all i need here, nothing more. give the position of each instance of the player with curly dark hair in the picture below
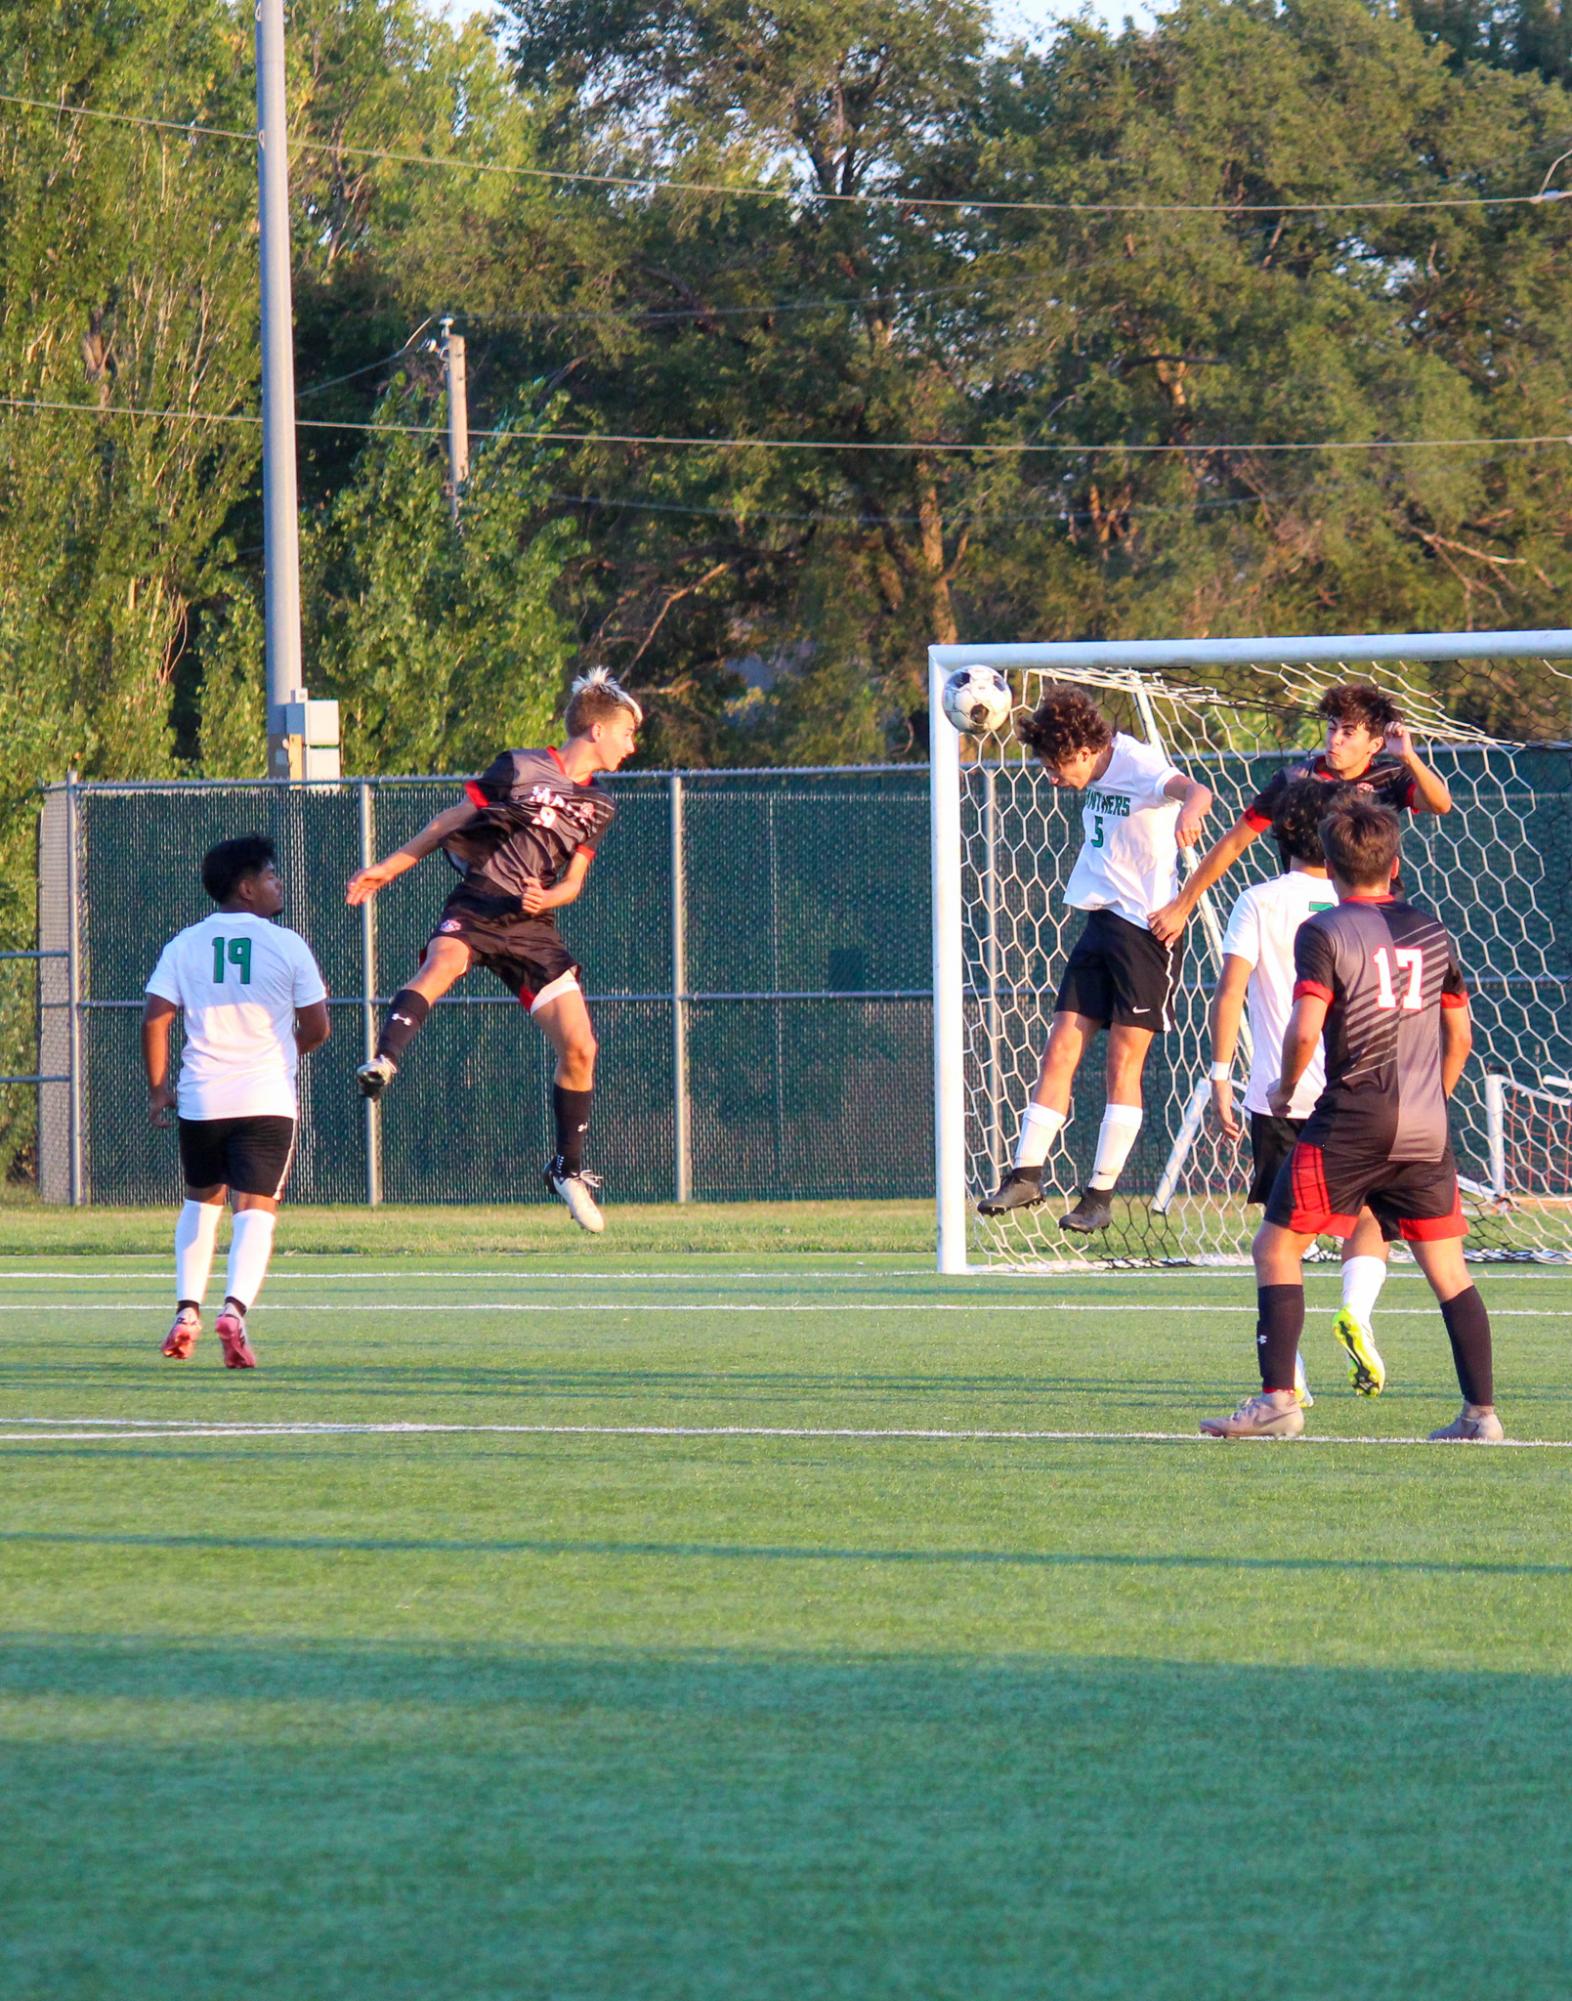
(1368, 748)
(1137, 810)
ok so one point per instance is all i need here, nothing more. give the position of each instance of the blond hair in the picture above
(596, 697)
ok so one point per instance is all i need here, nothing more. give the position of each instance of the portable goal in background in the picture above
(1497, 870)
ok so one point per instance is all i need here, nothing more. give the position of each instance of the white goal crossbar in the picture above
(1134, 673)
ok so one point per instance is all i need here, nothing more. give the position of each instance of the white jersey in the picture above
(239, 980)
(1129, 861)
(1261, 929)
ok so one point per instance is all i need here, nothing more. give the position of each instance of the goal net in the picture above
(1232, 713)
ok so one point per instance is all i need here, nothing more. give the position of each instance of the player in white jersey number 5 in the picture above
(1138, 810)
(254, 1004)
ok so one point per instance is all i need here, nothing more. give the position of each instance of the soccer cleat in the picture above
(579, 1192)
(1470, 1428)
(1366, 1370)
(1021, 1188)
(1094, 1211)
(374, 1077)
(1302, 1395)
(231, 1330)
(182, 1337)
(1257, 1417)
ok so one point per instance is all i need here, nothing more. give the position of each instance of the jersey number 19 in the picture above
(237, 951)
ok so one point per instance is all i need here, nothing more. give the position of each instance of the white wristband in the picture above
(1222, 1072)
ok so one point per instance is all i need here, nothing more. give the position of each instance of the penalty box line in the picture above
(153, 1430)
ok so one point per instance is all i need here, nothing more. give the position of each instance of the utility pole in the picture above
(452, 348)
(302, 736)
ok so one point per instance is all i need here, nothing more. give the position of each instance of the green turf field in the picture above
(722, 1610)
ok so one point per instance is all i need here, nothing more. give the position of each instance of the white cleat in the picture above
(374, 1077)
(579, 1192)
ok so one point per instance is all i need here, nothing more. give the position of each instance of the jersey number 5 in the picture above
(1410, 961)
(238, 953)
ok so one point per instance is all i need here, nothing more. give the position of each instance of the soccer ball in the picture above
(977, 700)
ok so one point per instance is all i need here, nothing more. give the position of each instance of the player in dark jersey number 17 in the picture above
(1381, 980)
(522, 841)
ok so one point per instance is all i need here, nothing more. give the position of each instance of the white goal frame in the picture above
(1105, 657)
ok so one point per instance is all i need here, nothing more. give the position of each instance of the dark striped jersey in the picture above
(1385, 781)
(530, 820)
(1386, 969)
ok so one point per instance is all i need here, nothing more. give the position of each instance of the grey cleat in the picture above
(374, 1077)
(1094, 1211)
(578, 1191)
(1470, 1427)
(1021, 1188)
(1258, 1417)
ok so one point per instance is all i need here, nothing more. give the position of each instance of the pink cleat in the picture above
(232, 1336)
(182, 1337)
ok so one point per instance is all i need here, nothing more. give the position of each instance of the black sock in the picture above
(1280, 1321)
(405, 1016)
(181, 1305)
(571, 1109)
(239, 1305)
(1468, 1326)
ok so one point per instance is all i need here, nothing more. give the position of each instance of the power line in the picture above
(1000, 448)
(657, 184)
(333, 381)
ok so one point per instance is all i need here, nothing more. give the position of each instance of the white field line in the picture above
(164, 1274)
(781, 1306)
(147, 1430)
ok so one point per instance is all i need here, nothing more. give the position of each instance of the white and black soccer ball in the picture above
(977, 700)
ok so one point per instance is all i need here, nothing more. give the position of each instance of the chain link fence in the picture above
(756, 953)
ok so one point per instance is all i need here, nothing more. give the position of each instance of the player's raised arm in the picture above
(1167, 923)
(1430, 794)
(365, 882)
(1195, 802)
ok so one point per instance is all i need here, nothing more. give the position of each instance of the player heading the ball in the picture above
(1368, 747)
(254, 1004)
(1137, 810)
(1379, 978)
(523, 841)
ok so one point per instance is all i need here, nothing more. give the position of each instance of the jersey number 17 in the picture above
(1410, 960)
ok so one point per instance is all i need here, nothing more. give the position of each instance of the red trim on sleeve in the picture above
(1314, 990)
(1256, 820)
(1411, 796)
(590, 852)
(475, 796)
(1454, 1000)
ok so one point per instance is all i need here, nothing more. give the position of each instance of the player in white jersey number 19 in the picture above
(1138, 811)
(253, 1004)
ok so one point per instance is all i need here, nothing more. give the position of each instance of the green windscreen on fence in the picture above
(799, 917)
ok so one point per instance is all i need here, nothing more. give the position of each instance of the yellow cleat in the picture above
(1366, 1370)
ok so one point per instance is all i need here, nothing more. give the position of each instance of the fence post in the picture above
(682, 1137)
(74, 995)
(368, 998)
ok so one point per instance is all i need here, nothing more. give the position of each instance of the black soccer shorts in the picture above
(1271, 1142)
(526, 953)
(1119, 972)
(249, 1156)
(1320, 1191)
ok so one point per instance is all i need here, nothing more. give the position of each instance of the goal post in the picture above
(1231, 712)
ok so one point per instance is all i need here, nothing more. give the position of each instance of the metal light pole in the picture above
(452, 346)
(302, 736)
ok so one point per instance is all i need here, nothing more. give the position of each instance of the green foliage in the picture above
(442, 643)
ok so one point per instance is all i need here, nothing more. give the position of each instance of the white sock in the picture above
(196, 1233)
(1115, 1137)
(1040, 1127)
(249, 1250)
(1363, 1279)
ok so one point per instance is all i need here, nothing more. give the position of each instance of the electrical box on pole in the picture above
(290, 751)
